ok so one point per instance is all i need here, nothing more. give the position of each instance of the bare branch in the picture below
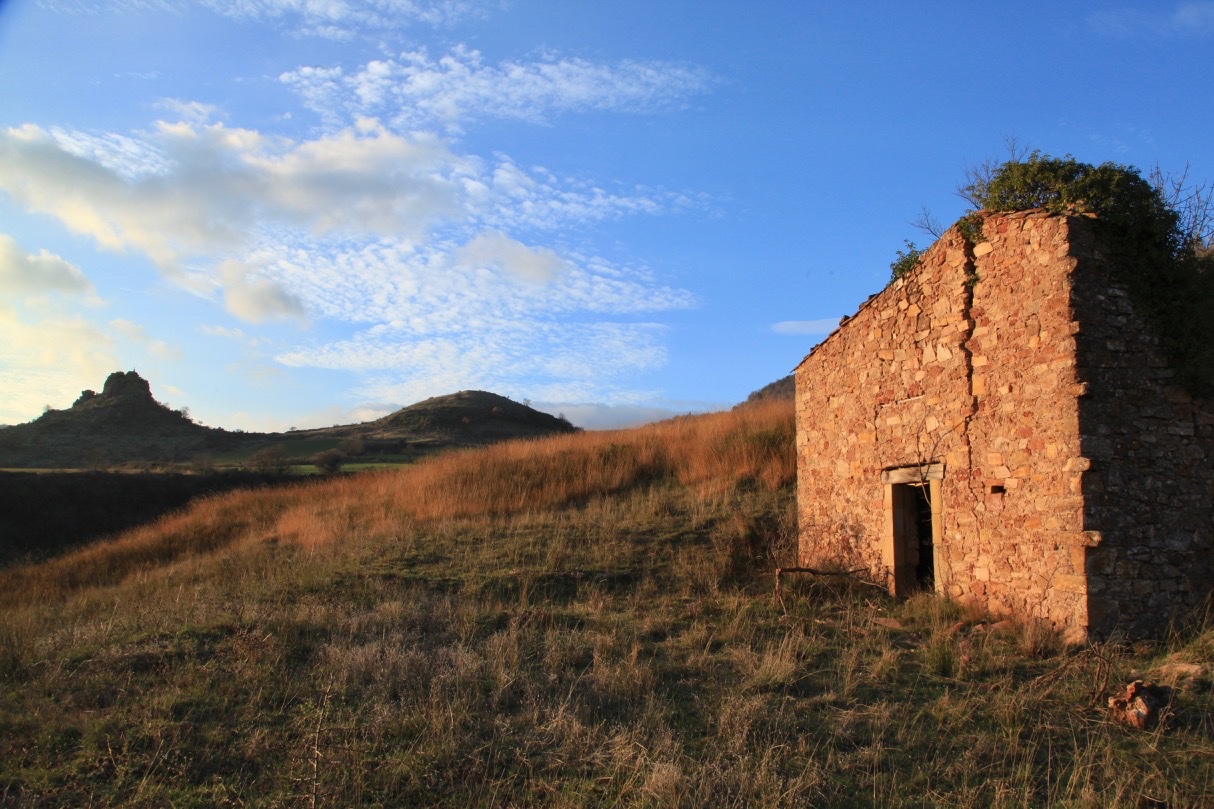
(928, 223)
(1194, 204)
(975, 178)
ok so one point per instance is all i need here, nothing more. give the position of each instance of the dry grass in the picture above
(583, 621)
(712, 456)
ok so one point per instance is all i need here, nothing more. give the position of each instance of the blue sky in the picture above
(310, 212)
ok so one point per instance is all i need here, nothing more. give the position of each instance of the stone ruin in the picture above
(1000, 426)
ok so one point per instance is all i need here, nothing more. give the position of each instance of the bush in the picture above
(1132, 210)
(352, 447)
(270, 460)
(329, 461)
(905, 262)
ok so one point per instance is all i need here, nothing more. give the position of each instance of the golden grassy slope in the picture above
(709, 455)
(579, 621)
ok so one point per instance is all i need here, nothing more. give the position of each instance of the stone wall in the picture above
(1037, 447)
(889, 388)
(1149, 492)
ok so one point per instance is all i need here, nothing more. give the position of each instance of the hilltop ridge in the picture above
(124, 423)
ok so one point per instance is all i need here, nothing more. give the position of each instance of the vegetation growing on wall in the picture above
(906, 261)
(1158, 241)
(1158, 230)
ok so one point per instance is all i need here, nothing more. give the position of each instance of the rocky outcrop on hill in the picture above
(121, 424)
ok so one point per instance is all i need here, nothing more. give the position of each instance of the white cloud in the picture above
(1184, 19)
(823, 326)
(1196, 18)
(190, 191)
(431, 265)
(130, 158)
(417, 91)
(24, 273)
(93, 7)
(558, 361)
(215, 186)
(496, 250)
(341, 19)
(193, 112)
(256, 300)
(223, 331)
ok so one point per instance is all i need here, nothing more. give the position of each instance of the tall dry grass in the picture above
(711, 455)
(579, 622)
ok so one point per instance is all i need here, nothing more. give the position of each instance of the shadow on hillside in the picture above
(43, 515)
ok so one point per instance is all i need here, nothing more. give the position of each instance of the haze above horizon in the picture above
(289, 213)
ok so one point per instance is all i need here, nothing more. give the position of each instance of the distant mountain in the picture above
(124, 424)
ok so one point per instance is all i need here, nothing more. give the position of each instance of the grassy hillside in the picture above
(585, 620)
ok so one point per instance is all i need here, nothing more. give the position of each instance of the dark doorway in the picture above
(925, 567)
(914, 554)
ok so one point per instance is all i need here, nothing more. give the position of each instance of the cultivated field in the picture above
(584, 620)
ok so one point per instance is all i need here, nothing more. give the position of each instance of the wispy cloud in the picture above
(213, 192)
(341, 19)
(823, 326)
(1183, 19)
(494, 250)
(419, 268)
(192, 112)
(558, 360)
(210, 190)
(416, 91)
(364, 226)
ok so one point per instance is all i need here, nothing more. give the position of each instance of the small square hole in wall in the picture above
(997, 489)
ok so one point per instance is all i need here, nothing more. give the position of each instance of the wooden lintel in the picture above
(913, 474)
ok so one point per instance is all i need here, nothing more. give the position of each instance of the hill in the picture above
(582, 620)
(784, 388)
(467, 418)
(124, 424)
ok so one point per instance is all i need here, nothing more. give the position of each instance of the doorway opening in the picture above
(913, 527)
(913, 534)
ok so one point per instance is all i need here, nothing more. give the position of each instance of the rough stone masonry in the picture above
(1000, 426)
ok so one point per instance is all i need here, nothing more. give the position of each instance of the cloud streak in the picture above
(416, 91)
(823, 326)
(342, 19)
(1184, 19)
